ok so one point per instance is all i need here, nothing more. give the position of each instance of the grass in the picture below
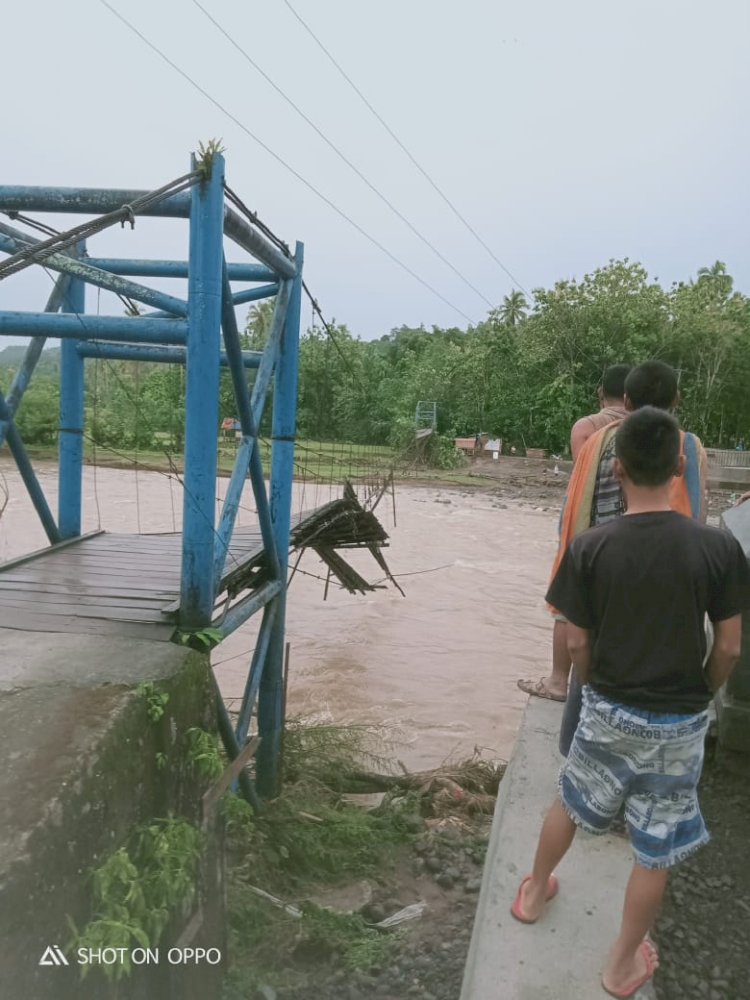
(308, 837)
(327, 462)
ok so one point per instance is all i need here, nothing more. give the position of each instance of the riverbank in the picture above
(353, 896)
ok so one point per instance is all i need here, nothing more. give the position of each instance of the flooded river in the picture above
(438, 666)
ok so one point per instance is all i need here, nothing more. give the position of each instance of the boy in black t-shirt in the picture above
(635, 592)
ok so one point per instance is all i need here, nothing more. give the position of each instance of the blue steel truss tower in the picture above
(190, 332)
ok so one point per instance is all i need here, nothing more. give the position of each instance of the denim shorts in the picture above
(651, 763)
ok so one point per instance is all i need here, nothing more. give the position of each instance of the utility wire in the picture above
(401, 145)
(162, 55)
(341, 156)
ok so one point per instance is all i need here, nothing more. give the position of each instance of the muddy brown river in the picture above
(437, 667)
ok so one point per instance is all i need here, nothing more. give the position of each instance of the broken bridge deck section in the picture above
(108, 583)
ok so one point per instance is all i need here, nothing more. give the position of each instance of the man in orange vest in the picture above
(611, 394)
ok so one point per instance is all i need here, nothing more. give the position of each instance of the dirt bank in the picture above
(703, 929)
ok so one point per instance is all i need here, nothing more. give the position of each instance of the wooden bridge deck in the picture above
(106, 584)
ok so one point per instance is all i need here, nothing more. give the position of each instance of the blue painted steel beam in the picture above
(28, 475)
(102, 279)
(249, 295)
(202, 399)
(87, 201)
(247, 607)
(283, 430)
(248, 454)
(233, 749)
(162, 355)
(270, 354)
(70, 437)
(255, 294)
(251, 240)
(32, 355)
(257, 666)
(124, 329)
(175, 269)
(98, 201)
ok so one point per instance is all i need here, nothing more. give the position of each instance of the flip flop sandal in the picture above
(651, 956)
(540, 690)
(553, 887)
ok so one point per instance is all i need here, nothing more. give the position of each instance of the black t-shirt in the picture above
(643, 584)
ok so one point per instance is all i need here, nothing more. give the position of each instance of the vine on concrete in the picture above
(139, 888)
(156, 700)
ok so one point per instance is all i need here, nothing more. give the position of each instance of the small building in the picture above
(471, 445)
(231, 427)
(493, 448)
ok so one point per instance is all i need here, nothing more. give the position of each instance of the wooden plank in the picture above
(16, 619)
(105, 583)
(138, 550)
(213, 795)
(117, 563)
(81, 600)
(82, 591)
(49, 549)
(111, 613)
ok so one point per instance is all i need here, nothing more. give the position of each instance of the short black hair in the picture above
(648, 446)
(613, 381)
(651, 384)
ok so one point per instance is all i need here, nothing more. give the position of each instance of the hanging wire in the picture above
(279, 159)
(41, 250)
(127, 458)
(401, 145)
(342, 156)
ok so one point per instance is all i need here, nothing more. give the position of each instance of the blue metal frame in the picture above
(190, 333)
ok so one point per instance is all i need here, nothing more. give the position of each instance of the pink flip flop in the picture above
(651, 956)
(553, 887)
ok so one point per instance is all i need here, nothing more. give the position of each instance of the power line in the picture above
(401, 145)
(162, 55)
(338, 152)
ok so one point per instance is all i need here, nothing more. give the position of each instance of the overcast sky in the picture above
(566, 133)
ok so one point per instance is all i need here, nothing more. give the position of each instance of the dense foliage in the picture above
(525, 373)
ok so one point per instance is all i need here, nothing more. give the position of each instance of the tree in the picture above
(513, 310)
(258, 325)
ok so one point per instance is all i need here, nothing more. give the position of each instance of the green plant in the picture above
(203, 754)
(161, 760)
(139, 887)
(239, 820)
(203, 640)
(205, 159)
(347, 936)
(156, 700)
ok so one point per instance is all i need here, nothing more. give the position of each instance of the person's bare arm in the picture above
(579, 435)
(725, 651)
(579, 647)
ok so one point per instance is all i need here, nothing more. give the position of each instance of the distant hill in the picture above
(48, 364)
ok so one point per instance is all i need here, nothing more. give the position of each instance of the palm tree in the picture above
(258, 326)
(513, 310)
(716, 278)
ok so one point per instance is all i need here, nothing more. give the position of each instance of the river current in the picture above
(437, 667)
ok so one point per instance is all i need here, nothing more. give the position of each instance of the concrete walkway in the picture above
(561, 957)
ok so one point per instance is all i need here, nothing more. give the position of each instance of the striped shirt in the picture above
(608, 501)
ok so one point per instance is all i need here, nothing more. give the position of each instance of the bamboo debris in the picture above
(343, 523)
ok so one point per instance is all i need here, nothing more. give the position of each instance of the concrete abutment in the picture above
(86, 763)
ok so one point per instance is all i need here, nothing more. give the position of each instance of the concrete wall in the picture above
(79, 774)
